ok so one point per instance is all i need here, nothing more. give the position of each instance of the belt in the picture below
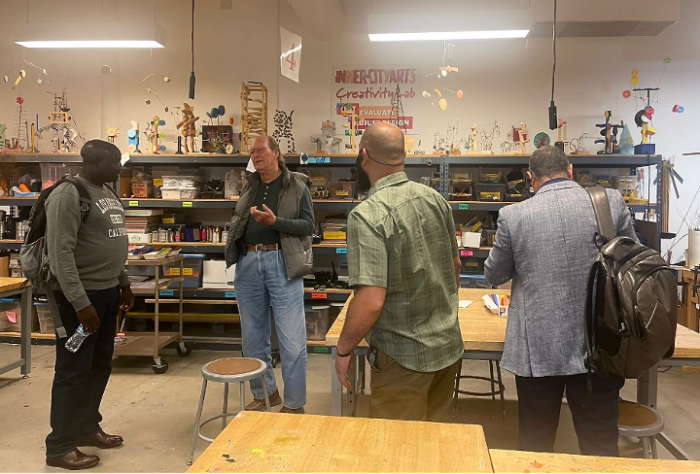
(263, 248)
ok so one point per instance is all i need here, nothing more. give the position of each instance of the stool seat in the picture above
(641, 422)
(233, 369)
(227, 370)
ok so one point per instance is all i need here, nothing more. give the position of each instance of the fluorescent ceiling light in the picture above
(91, 44)
(109, 34)
(448, 35)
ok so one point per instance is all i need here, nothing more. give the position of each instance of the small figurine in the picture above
(471, 141)
(609, 131)
(133, 137)
(189, 130)
(626, 142)
(154, 136)
(520, 137)
(283, 129)
(112, 133)
(327, 142)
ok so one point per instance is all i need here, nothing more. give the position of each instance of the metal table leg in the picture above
(336, 389)
(26, 346)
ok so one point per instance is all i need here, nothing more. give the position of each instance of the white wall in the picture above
(504, 80)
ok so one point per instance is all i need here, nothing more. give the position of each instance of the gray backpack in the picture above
(630, 320)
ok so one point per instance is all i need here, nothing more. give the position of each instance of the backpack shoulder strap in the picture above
(85, 200)
(603, 215)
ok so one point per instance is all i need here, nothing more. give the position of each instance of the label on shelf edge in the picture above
(343, 250)
(133, 204)
(321, 350)
(466, 253)
(463, 207)
(167, 292)
(230, 294)
(187, 204)
(319, 296)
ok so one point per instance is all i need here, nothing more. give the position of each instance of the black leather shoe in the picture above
(74, 461)
(101, 440)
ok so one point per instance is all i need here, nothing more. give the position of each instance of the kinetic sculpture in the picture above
(253, 113)
(59, 121)
(609, 131)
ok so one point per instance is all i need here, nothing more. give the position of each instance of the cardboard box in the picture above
(471, 240)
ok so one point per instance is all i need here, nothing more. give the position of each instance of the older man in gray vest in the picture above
(270, 241)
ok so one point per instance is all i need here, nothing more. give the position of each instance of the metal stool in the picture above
(226, 371)
(641, 422)
(492, 393)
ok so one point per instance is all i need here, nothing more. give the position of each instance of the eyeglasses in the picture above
(258, 150)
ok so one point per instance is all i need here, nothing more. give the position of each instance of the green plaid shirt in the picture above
(402, 238)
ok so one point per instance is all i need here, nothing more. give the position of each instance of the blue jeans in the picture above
(261, 282)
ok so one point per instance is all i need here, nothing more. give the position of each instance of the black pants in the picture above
(539, 404)
(80, 378)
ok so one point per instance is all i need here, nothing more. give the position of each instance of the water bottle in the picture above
(77, 339)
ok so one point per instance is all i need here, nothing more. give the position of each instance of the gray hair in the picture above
(549, 162)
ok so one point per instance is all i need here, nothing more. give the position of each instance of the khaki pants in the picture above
(399, 393)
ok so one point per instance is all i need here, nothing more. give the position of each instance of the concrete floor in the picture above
(155, 413)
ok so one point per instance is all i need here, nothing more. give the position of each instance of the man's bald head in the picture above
(385, 142)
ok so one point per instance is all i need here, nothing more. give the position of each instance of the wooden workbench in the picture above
(13, 287)
(523, 461)
(690, 299)
(481, 330)
(274, 442)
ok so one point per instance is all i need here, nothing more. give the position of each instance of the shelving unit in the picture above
(436, 163)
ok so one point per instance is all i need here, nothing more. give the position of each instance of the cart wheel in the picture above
(183, 352)
(162, 369)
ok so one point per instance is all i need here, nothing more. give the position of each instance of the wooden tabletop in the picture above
(274, 442)
(481, 330)
(523, 461)
(9, 284)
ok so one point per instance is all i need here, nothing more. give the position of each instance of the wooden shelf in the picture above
(35, 335)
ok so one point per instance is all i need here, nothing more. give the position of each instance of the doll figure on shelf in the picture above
(471, 141)
(189, 129)
(521, 138)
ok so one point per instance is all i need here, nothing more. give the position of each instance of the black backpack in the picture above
(33, 254)
(630, 320)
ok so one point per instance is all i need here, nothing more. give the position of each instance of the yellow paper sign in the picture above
(187, 272)
(174, 271)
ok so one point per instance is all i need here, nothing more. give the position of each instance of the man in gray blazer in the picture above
(546, 246)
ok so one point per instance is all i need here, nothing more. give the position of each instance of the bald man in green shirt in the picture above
(404, 264)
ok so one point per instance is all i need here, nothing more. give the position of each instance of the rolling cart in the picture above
(147, 344)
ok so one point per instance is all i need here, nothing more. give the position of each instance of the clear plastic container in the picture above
(490, 175)
(342, 190)
(318, 322)
(50, 173)
(77, 339)
(337, 232)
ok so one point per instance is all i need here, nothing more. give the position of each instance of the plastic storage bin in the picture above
(473, 281)
(342, 190)
(334, 232)
(490, 191)
(318, 322)
(192, 266)
(490, 175)
(50, 173)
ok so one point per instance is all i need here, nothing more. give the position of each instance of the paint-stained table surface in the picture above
(274, 442)
(10, 284)
(523, 461)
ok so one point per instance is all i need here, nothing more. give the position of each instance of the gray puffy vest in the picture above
(296, 249)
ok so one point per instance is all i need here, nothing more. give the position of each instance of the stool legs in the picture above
(267, 398)
(224, 419)
(196, 420)
(493, 384)
(652, 441)
(646, 447)
(242, 384)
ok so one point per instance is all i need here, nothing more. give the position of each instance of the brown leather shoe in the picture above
(101, 440)
(74, 461)
(259, 405)
(293, 411)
